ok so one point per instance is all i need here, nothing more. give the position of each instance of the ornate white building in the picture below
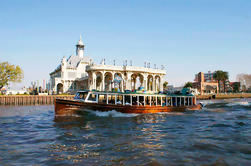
(71, 74)
(78, 72)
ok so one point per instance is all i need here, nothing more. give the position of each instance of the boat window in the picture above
(127, 100)
(178, 101)
(92, 97)
(182, 101)
(102, 98)
(81, 95)
(164, 101)
(159, 101)
(119, 99)
(153, 100)
(111, 99)
(168, 101)
(134, 100)
(141, 100)
(175, 102)
(148, 100)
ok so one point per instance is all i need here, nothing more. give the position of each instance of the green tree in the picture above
(188, 84)
(9, 73)
(225, 77)
(221, 76)
(165, 84)
(236, 87)
(218, 76)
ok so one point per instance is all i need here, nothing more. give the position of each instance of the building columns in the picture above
(154, 90)
(122, 83)
(103, 82)
(113, 74)
(145, 81)
(161, 84)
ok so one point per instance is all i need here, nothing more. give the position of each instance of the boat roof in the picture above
(136, 93)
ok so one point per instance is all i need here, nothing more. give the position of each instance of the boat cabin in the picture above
(135, 99)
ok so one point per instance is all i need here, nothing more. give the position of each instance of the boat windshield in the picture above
(81, 95)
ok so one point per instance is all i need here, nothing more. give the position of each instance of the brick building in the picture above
(205, 84)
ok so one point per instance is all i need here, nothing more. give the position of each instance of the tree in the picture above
(165, 84)
(236, 87)
(188, 85)
(9, 73)
(224, 79)
(219, 76)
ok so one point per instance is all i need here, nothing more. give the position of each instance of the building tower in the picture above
(201, 77)
(80, 48)
(63, 67)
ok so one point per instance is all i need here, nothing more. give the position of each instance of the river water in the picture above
(220, 134)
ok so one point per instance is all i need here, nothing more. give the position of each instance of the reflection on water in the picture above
(218, 135)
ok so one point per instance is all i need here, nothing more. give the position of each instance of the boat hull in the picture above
(70, 107)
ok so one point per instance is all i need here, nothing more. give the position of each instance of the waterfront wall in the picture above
(31, 99)
(224, 96)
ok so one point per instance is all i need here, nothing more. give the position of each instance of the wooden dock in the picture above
(31, 99)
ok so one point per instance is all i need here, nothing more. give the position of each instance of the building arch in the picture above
(157, 83)
(137, 80)
(99, 79)
(119, 81)
(108, 81)
(60, 88)
(150, 82)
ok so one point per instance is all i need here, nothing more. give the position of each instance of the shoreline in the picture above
(223, 96)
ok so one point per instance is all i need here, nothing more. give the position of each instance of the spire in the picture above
(80, 42)
(80, 48)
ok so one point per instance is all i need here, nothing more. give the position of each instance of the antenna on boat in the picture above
(114, 62)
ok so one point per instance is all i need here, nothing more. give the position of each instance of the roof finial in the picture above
(80, 37)
(80, 42)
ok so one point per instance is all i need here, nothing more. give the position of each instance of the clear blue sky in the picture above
(187, 36)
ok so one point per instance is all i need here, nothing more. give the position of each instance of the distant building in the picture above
(16, 92)
(169, 89)
(205, 84)
(208, 77)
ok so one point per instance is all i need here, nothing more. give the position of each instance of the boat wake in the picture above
(112, 113)
(241, 103)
